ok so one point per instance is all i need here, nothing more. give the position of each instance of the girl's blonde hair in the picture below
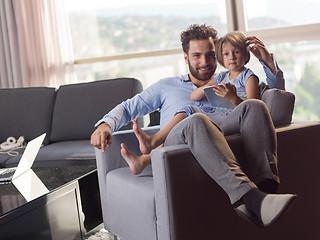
(236, 39)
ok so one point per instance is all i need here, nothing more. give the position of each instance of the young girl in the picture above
(236, 84)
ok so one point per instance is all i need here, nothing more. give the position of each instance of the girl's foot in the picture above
(136, 163)
(145, 141)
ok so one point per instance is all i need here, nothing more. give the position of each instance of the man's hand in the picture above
(258, 48)
(101, 137)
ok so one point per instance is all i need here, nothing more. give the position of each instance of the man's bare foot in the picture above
(136, 163)
(145, 141)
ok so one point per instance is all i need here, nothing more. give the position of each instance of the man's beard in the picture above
(201, 76)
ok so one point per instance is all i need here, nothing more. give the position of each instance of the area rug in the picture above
(102, 234)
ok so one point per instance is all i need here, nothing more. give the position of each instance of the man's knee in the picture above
(188, 128)
(199, 119)
(185, 128)
(254, 105)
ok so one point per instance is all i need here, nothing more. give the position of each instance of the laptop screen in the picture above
(29, 156)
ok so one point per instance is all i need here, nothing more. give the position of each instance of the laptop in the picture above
(26, 161)
(215, 100)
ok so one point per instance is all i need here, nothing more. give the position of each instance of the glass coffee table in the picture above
(69, 209)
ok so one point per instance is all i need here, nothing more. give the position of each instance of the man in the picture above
(204, 138)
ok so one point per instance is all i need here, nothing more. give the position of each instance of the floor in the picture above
(99, 233)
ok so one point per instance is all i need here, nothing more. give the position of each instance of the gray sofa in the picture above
(66, 114)
(174, 199)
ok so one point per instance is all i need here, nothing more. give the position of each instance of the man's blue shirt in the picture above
(167, 95)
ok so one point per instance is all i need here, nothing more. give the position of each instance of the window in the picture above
(123, 27)
(263, 14)
(115, 27)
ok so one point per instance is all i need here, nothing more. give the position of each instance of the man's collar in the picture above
(185, 78)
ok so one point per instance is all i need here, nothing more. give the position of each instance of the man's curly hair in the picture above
(197, 32)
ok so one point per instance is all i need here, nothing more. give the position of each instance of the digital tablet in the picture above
(215, 100)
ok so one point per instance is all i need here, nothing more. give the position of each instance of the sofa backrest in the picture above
(26, 112)
(280, 104)
(79, 106)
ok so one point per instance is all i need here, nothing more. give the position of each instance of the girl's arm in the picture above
(198, 93)
(252, 87)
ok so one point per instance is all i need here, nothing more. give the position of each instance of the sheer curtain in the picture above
(10, 69)
(40, 49)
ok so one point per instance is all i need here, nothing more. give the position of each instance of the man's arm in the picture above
(141, 104)
(274, 80)
(274, 74)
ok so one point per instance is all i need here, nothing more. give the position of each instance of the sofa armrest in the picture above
(111, 159)
(182, 197)
(160, 161)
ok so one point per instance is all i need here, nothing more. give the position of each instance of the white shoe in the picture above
(272, 207)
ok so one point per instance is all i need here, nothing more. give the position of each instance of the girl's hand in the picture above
(226, 90)
(229, 92)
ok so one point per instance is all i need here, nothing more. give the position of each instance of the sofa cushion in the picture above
(130, 195)
(280, 104)
(66, 153)
(79, 106)
(26, 112)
